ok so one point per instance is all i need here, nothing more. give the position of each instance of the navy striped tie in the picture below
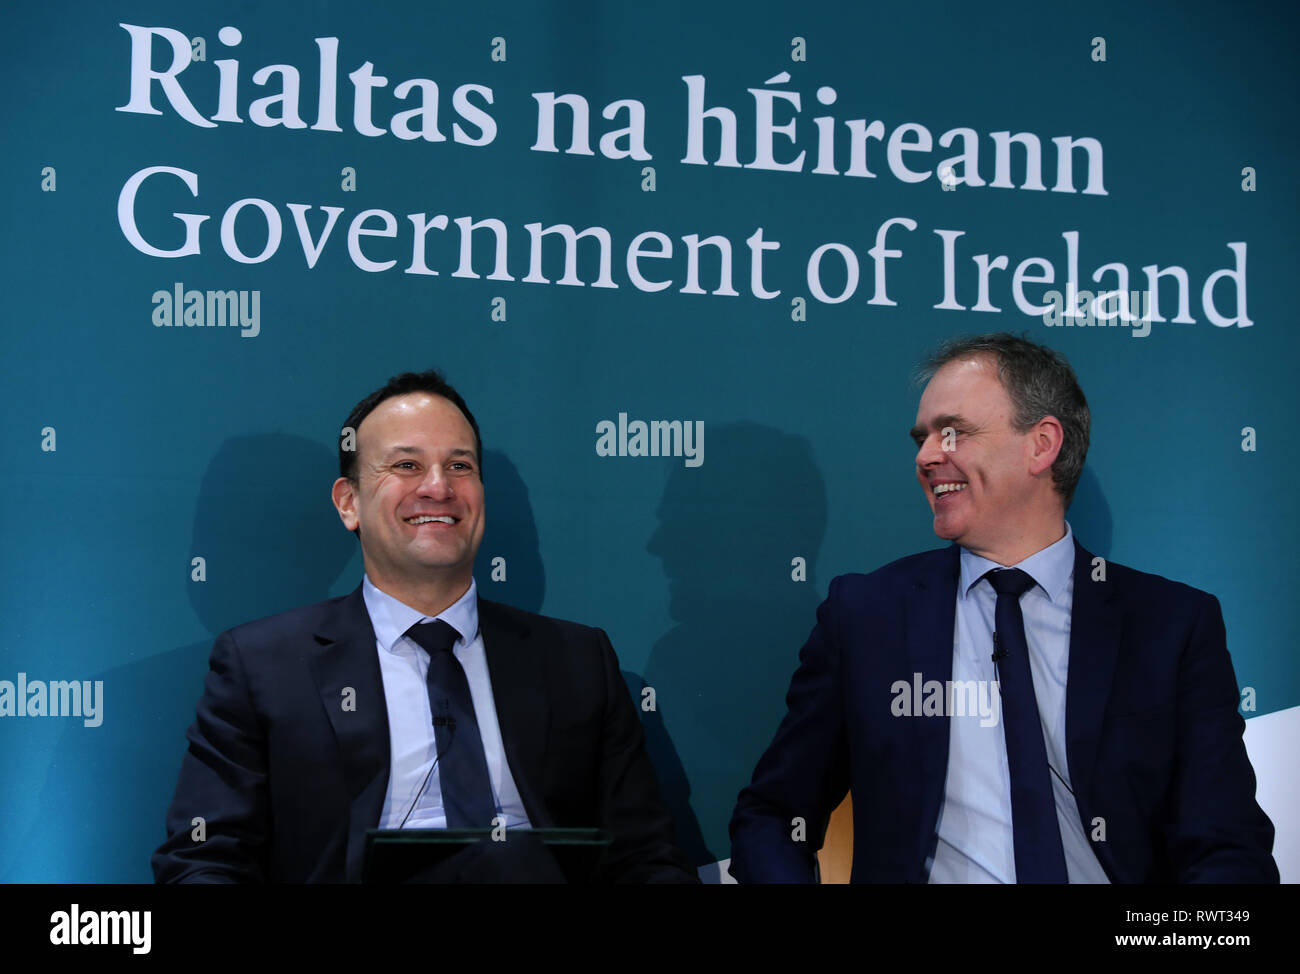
(1040, 857)
(463, 772)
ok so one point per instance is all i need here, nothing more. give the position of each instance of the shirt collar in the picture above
(1051, 567)
(392, 617)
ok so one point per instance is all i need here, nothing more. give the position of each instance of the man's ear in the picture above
(1044, 445)
(343, 493)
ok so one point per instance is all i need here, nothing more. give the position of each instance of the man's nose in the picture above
(436, 484)
(931, 452)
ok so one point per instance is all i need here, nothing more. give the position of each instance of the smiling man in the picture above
(412, 703)
(1117, 755)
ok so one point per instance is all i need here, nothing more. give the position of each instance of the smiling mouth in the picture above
(945, 490)
(430, 519)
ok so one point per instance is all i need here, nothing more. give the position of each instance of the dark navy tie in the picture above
(1040, 857)
(463, 772)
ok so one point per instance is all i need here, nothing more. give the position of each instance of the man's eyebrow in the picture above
(395, 450)
(416, 451)
(939, 422)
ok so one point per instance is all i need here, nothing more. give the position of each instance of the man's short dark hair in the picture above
(430, 382)
(1039, 382)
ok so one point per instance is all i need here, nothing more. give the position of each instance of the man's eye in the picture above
(406, 465)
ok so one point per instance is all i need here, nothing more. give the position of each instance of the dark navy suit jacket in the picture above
(288, 781)
(1153, 736)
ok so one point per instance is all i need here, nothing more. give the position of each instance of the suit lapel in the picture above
(1094, 648)
(345, 657)
(519, 689)
(930, 618)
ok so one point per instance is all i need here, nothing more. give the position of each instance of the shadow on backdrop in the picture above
(272, 541)
(728, 534)
(509, 534)
(520, 580)
(1090, 517)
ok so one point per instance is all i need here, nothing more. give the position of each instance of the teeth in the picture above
(425, 520)
(947, 488)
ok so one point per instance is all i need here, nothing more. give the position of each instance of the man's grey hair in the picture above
(1039, 382)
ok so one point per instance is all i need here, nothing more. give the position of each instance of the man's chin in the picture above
(946, 529)
(441, 566)
(438, 562)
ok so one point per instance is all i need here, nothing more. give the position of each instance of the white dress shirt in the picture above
(414, 796)
(976, 843)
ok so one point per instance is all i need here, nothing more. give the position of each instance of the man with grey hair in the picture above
(1010, 708)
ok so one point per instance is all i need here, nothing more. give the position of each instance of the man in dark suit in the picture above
(1010, 708)
(411, 702)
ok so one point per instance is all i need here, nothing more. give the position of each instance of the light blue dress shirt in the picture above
(414, 796)
(976, 844)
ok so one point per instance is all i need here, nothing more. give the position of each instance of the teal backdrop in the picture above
(133, 446)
